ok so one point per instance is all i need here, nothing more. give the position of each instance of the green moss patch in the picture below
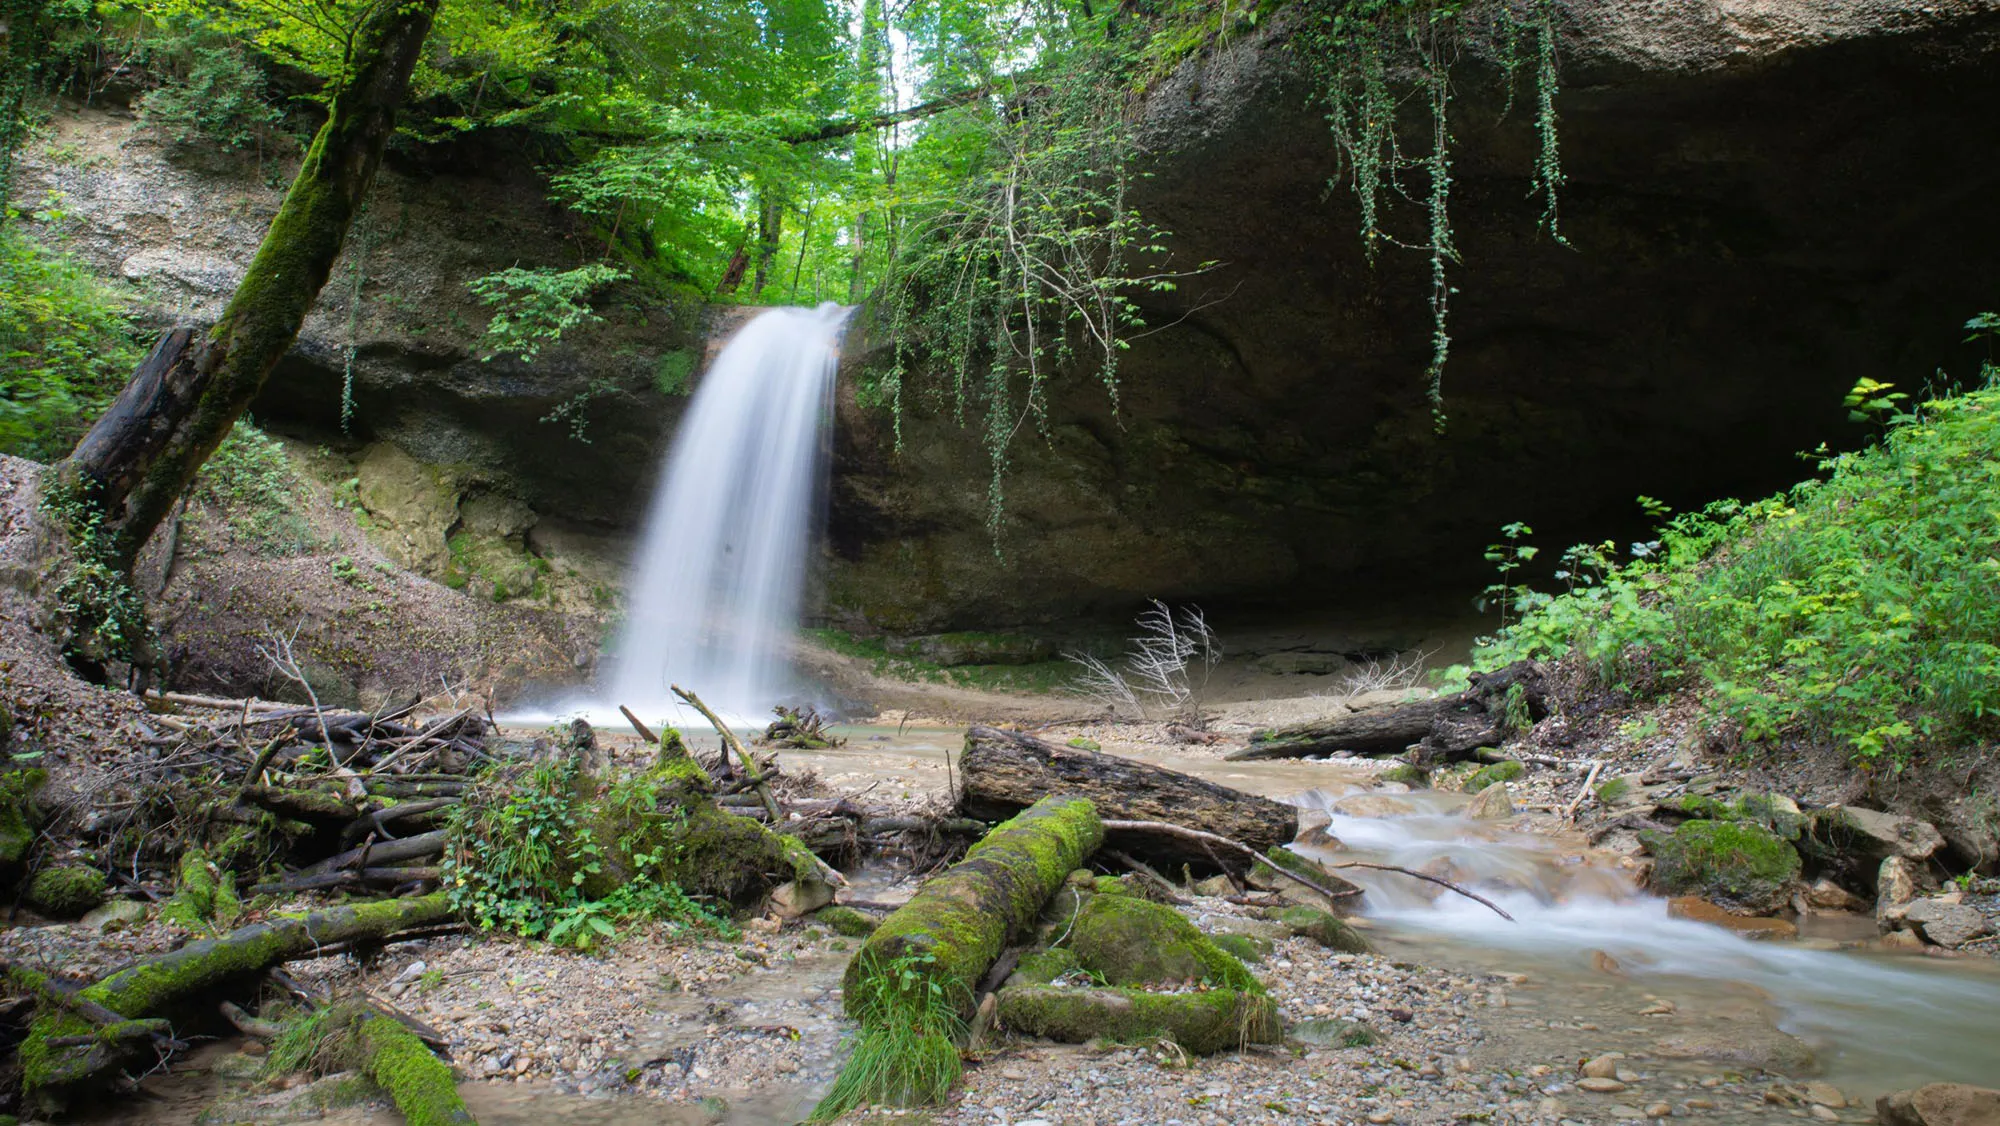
(1486, 776)
(19, 817)
(1044, 966)
(1243, 947)
(1320, 926)
(66, 893)
(845, 920)
(1203, 1021)
(1128, 941)
(1734, 863)
(1415, 777)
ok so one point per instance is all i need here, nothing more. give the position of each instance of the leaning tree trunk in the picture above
(1003, 772)
(140, 457)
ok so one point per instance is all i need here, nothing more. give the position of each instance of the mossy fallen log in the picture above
(422, 1084)
(1203, 1022)
(958, 923)
(52, 1075)
(913, 982)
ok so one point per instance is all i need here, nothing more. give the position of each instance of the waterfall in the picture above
(714, 595)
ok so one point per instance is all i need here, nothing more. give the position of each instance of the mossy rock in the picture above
(1044, 966)
(1415, 777)
(1320, 926)
(1504, 771)
(19, 818)
(1080, 743)
(66, 893)
(1244, 947)
(1737, 864)
(845, 920)
(1129, 941)
(1333, 1034)
(1780, 814)
(1203, 1022)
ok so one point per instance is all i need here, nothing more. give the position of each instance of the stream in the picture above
(1590, 965)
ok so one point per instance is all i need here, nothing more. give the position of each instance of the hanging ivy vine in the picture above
(1348, 44)
(1030, 269)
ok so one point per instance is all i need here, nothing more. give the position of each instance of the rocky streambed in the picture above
(1596, 1003)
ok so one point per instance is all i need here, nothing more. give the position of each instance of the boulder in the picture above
(1872, 835)
(411, 511)
(799, 897)
(1825, 895)
(1950, 925)
(1940, 1104)
(1897, 884)
(66, 893)
(1492, 804)
(1738, 865)
(117, 915)
(1320, 926)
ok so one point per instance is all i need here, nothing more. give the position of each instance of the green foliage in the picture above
(250, 478)
(1847, 610)
(98, 615)
(907, 1051)
(671, 374)
(520, 862)
(214, 93)
(533, 308)
(302, 1045)
(65, 344)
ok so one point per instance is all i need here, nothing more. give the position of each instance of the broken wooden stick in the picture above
(730, 740)
(1211, 838)
(645, 733)
(1583, 791)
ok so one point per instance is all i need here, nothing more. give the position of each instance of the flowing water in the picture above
(1871, 1021)
(716, 586)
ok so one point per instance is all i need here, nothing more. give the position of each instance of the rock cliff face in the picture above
(1767, 200)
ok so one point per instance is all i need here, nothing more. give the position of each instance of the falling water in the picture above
(715, 593)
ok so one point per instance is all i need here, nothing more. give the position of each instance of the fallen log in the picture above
(348, 877)
(52, 1075)
(1441, 728)
(1003, 772)
(940, 944)
(382, 853)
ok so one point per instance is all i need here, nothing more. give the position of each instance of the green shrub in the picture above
(252, 480)
(1852, 609)
(65, 345)
(214, 94)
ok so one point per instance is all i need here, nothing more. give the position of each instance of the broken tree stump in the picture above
(1003, 772)
(1440, 729)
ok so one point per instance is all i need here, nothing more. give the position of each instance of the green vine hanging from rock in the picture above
(1358, 52)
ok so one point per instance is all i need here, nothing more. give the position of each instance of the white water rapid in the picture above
(716, 586)
(1873, 1022)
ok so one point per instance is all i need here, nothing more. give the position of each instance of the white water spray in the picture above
(715, 590)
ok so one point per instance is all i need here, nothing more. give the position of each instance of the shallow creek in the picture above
(1589, 964)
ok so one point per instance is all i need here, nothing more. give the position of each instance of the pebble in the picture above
(1603, 1067)
(1660, 1110)
(1825, 1094)
(1381, 1117)
(1824, 1113)
(1603, 1085)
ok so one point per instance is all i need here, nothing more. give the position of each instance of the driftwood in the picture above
(731, 742)
(53, 1074)
(1329, 893)
(1003, 772)
(1438, 729)
(381, 853)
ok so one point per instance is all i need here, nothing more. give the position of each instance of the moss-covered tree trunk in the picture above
(141, 455)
